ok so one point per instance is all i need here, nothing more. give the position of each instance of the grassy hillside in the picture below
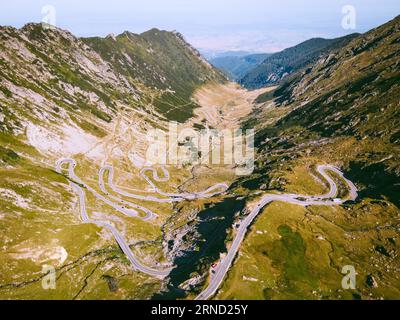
(352, 94)
(162, 60)
(343, 110)
(60, 98)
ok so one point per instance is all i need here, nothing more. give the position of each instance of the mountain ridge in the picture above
(96, 99)
(342, 110)
(235, 67)
(277, 66)
(352, 93)
(166, 55)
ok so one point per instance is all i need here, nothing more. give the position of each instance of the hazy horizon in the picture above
(211, 26)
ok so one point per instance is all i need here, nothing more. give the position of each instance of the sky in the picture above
(210, 25)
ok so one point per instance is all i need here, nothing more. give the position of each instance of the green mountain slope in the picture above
(60, 98)
(162, 60)
(343, 110)
(353, 93)
(279, 65)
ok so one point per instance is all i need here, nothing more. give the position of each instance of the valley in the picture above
(80, 194)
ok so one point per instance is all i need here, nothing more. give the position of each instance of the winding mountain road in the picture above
(78, 185)
(136, 264)
(121, 206)
(302, 200)
(187, 196)
(170, 197)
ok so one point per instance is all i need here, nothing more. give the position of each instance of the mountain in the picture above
(351, 94)
(279, 65)
(96, 100)
(98, 75)
(162, 60)
(212, 54)
(342, 110)
(93, 100)
(236, 67)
